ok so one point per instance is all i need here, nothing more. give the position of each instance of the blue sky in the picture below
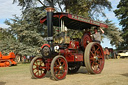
(110, 15)
(7, 9)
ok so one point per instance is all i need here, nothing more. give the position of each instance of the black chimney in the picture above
(50, 11)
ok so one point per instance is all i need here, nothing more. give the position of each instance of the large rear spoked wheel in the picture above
(59, 67)
(38, 67)
(94, 58)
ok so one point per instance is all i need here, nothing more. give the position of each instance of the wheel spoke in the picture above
(55, 64)
(92, 53)
(41, 62)
(93, 48)
(99, 66)
(36, 72)
(41, 71)
(92, 64)
(59, 62)
(56, 68)
(58, 73)
(97, 50)
(100, 57)
(63, 64)
(33, 68)
(92, 59)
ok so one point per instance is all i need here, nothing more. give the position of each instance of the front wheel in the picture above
(38, 67)
(59, 67)
(94, 58)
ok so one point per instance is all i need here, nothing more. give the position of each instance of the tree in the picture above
(90, 8)
(122, 14)
(7, 41)
(113, 34)
(27, 31)
(79, 7)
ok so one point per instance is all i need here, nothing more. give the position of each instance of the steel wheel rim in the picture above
(96, 58)
(60, 68)
(37, 71)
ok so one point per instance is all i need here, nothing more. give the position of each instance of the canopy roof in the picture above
(73, 21)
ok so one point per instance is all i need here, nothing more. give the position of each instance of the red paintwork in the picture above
(71, 53)
(4, 60)
(73, 44)
(78, 57)
(48, 63)
(70, 58)
(68, 54)
(45, 45)
(77, 18)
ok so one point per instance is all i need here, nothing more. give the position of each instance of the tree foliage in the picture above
(79, 7)
(122, 14)
(113, 33)
(27, 32)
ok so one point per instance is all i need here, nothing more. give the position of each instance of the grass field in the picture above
(19, 69)
(115, 73)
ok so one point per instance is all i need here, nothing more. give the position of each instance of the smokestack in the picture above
(50, 11)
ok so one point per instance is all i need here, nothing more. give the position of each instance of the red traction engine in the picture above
(68, 55)
(7, 61)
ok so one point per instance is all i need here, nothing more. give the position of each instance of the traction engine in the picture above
(65, 55)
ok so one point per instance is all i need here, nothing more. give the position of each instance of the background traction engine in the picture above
(69, 55)
(7, 61)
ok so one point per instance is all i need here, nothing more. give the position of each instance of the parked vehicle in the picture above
(122, 54)
(68, 54)
(7, 61)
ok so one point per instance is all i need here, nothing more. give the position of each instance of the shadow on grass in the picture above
(80, 71)
(126, 74)
(2, 83)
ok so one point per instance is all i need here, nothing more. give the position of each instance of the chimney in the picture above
(50, 11)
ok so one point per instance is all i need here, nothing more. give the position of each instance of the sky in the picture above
(7, 10)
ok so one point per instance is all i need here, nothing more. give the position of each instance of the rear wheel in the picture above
(86, 39)
(59, 67)
(94, 58)
(38, 67)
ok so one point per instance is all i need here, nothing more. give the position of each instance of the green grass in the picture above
(20, 68)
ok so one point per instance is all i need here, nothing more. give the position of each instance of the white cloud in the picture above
(7, 9)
